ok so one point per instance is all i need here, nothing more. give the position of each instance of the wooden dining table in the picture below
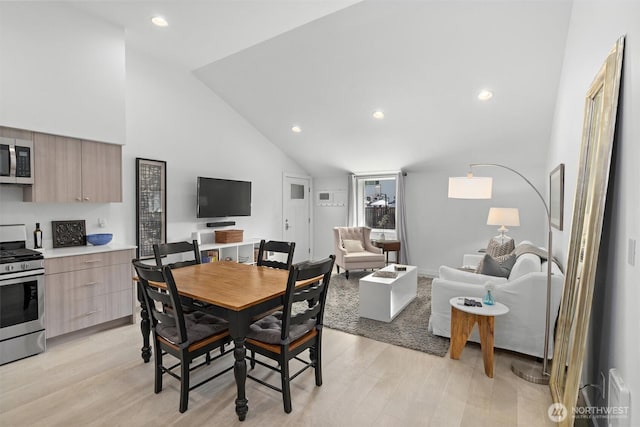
(236, 292)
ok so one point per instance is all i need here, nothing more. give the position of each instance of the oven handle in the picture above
(5, 279)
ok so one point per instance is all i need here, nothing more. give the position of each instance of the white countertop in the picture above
(83, 250)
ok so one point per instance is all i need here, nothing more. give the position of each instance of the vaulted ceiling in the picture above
(326, 66)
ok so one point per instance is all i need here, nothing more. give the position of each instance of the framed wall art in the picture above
(556, 196)
(69, 233)
(151, 205)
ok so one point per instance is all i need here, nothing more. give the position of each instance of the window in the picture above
(376, 201)
(297, 192)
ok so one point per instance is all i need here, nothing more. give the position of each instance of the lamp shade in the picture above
(503, 216)
(470, 187)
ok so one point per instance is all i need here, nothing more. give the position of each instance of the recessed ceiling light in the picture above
(378, 115)
(296, 129)
(159, 21)
(485, 95)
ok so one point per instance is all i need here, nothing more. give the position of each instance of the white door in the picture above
(296, 219)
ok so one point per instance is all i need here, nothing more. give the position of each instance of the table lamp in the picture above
(503, 217)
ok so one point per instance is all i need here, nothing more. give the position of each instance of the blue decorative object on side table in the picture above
(488, 298)
(99, 238)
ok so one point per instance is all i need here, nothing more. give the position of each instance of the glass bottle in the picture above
(488, 298)
(37, 237)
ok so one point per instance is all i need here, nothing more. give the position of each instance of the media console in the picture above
(238, 251)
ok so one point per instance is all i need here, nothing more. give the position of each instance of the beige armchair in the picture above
(354, 250)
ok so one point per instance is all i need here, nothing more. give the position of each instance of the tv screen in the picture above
(223, 197)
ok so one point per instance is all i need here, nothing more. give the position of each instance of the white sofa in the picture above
(524, 292)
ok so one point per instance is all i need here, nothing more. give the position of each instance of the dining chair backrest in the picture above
(165, 249)
(284, 248)
(162, 319)
(314, 294)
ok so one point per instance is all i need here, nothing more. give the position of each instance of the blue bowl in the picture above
(99, 239)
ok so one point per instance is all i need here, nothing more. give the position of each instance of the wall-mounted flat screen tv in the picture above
(223, 197)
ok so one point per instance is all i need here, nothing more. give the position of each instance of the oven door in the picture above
(21, 303)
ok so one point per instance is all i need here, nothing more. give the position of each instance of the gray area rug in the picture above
(409, 329)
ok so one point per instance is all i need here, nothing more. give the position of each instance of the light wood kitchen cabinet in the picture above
(73, 170)
(16, 133)
(101, 172)
(86, 290)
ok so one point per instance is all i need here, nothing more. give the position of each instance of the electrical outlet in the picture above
(602, 387)
(102, 223)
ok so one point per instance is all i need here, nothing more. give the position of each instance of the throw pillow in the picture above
(492, 267)
(353, 246)
(497, 249)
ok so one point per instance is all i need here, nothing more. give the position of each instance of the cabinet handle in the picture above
(79, 199)
(92, 312)
(93, 260)
(86, 198)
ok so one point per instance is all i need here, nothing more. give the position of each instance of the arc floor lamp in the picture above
(471, 187)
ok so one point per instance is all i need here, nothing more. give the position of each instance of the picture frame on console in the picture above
(151, 205)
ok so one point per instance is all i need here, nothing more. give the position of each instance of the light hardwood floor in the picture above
(101, 380)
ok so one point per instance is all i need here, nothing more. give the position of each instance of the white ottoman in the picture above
(384, 298)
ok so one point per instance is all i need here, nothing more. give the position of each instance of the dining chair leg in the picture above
(184, 384)
(253, 359)
(316, 358)
(286, 388)
(157, 351)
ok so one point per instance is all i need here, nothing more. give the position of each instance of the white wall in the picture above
(61, 72)
(441, 230)
(615, 319)
(327, 217)
(170, 115)
(64, 73)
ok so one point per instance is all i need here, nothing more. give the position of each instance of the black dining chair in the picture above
(183, 336)
(274, 246)
(165, 249)
(285, 334)
(285, 248)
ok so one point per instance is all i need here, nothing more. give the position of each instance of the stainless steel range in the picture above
(21, 296)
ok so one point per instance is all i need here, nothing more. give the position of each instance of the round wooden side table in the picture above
(464, 317)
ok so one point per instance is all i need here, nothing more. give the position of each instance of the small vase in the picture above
(488, 298)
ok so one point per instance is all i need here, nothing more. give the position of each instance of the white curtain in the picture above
(401, 220)
(352, 194)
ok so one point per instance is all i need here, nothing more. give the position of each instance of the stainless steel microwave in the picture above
(16, 161)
